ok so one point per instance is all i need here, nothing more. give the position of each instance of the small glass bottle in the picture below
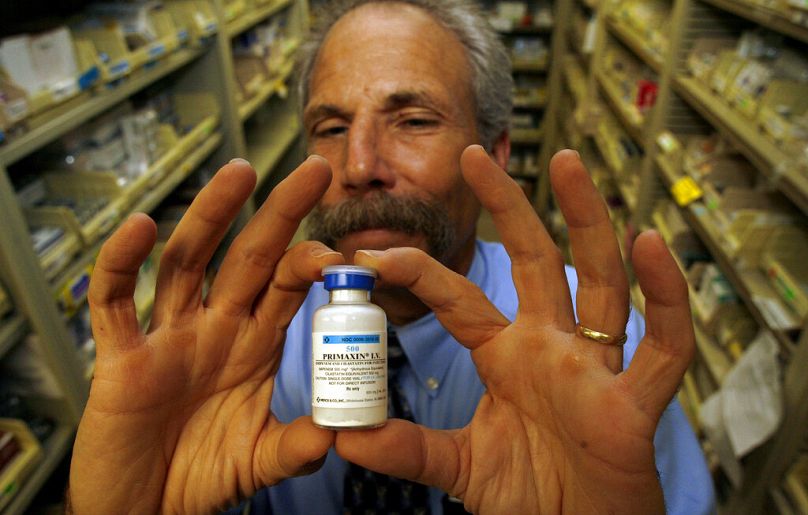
(349, 353)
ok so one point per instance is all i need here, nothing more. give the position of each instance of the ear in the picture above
(501, 151)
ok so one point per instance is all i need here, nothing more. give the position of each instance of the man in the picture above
(177, 418)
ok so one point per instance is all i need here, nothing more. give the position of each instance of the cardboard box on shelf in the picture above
(783, 260)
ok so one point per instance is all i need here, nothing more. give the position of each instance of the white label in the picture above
(349, 370)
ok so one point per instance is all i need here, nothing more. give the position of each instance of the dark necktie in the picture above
(367, 492)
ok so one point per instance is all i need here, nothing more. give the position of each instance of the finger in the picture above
(190, 247)
(536, 263)
(669, 343)
(112, 286)
(602, 298)
(253, 255)
(460, 306)
(298, 268)
(290, 450)
(408, 451)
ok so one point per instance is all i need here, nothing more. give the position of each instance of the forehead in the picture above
(381, 49)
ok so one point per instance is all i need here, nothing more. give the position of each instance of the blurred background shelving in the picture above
(691, 116)
(148, 101)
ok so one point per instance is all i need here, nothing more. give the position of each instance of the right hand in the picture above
(178, 417)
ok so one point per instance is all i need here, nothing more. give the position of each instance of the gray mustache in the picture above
(410, 215)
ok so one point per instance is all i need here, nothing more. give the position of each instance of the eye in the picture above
(331, 131)
(330, 128)
(418, 123)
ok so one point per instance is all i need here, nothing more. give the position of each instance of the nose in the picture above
(365, 168)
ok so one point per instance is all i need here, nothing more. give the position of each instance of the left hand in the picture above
(561, 428)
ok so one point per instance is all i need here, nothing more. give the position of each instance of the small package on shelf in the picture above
(148, 30)
(649, 19)
(88, 203)
(14, 106)
(748, 85)
(233, 9)
(713, 295)
(20, 452)
(53, 239)
(47, 67)
(197, 15)
(109, 43)
(720, 172)
(729, 64)
(783, 113)
(529, 53)
(783, 260)
(72, 293)
(680, 238)
(509, 15)
(735, 329)
(744, 218)
(705, 55)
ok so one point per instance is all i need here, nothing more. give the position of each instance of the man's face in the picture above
(391, 108)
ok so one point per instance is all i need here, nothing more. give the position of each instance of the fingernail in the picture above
(329, 252)
(371, 253)
(239, 161)
(577, 154)
(317, 157)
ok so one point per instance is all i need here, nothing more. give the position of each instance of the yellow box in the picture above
(15, 474)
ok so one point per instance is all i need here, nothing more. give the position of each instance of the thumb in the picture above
(408, 451)
(289, 450)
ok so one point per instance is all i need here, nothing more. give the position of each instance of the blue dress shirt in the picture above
(442, 387)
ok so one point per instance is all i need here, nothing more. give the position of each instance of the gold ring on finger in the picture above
(603, 338)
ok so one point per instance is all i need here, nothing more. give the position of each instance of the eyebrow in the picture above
(401, 99)
(394, 101)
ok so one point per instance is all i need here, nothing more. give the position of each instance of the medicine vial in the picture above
(349, 353)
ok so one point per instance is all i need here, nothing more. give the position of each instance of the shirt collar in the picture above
(430, 349)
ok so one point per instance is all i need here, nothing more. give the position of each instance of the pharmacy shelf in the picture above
(64, 122)
(12, 329)
(268, 147)
(750, 283)
(635, 42)
(191, 162)
(716, 360)
(744, 134)
(530, 30)
(526, 136)
(145, 204)
(764, 16)
(797, 490)
(575, 79)
(629, 194)
(253, 17)
(265, 92)
(55, 449)
(629, 117)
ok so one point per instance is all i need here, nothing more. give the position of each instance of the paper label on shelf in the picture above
(685, 191)
(776, 315)
(748, 408)
(668, 142)
(16, 110)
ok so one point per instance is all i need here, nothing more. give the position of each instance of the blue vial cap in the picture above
(349, 277)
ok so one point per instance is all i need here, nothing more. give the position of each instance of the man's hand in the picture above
(178, 418)
(560, 428)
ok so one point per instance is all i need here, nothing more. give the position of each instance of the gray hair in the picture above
(492, 83)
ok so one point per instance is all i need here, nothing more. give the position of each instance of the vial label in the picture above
(350, 369)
